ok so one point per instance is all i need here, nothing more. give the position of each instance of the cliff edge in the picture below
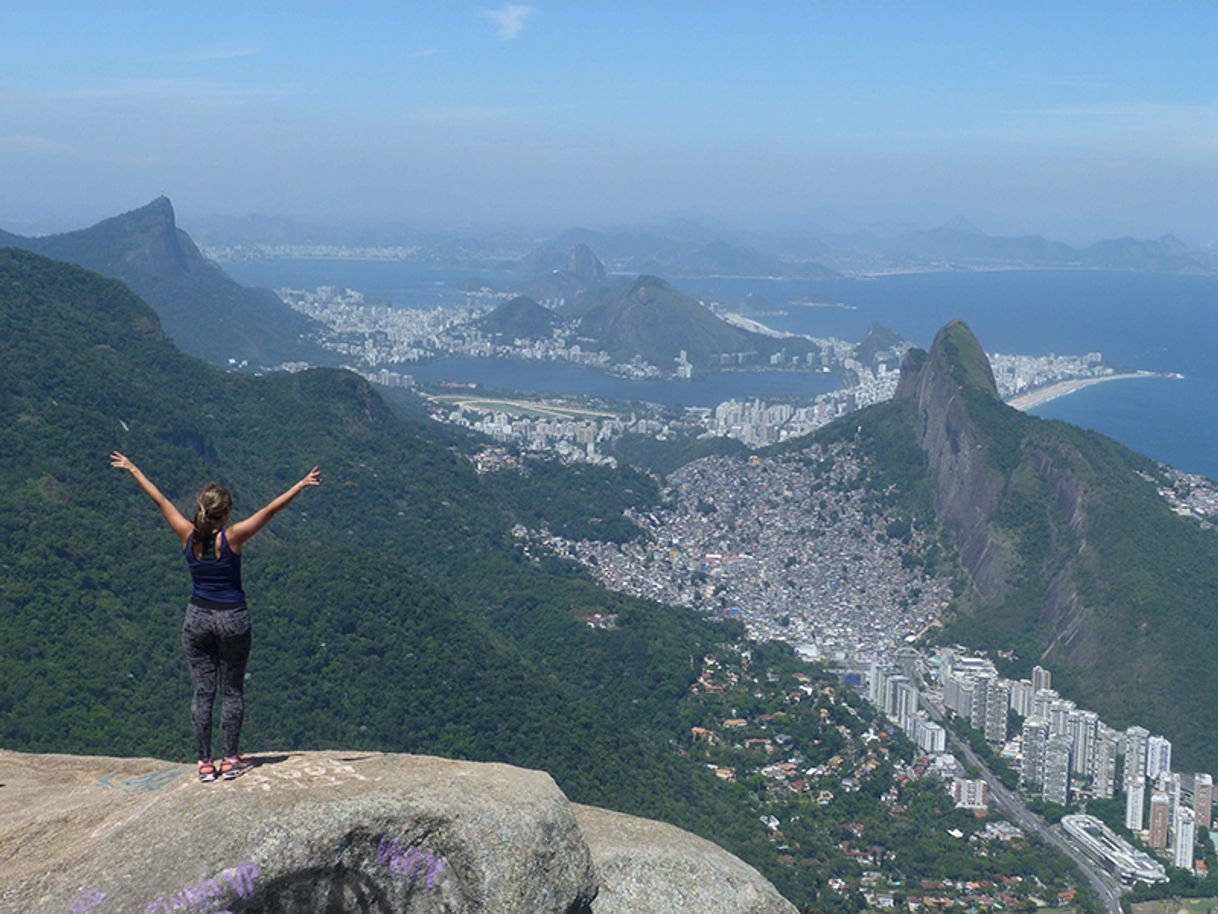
(339, 832)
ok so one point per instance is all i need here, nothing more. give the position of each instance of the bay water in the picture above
(1151, 321)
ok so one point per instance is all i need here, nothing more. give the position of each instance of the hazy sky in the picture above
(1069, 118)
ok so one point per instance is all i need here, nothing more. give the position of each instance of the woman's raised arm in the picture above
(241, 531)
(179, 524)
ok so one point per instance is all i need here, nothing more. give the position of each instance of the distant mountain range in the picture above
(825, 245)
(962, 248)
(202, 309)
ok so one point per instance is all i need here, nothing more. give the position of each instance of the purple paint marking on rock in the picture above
(87, 902)
(409, 863)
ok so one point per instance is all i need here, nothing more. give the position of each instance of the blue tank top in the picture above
(217, 582)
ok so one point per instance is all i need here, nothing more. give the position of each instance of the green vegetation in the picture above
(964, 357)
(662, 457)
(392, 609)
(853, 813)
(576, 501)
(995, 762)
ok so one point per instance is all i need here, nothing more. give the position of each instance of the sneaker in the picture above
(207, 771)
(234, 766)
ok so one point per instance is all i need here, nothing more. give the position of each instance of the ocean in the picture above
(1152, 321)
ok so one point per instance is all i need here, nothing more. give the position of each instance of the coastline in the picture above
(1042, 395)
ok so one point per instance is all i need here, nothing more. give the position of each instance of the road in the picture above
(1106, 888)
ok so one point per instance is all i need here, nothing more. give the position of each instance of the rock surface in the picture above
(337, 833)
(303, 832)
(648, 867)
(967, 486)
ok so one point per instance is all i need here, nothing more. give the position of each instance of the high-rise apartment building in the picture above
(981, 697)
(996, 703)
(1135, 804)
(1056, 788)
(1041, 679)
(958, 695)
(1042, 702)
(1021, 697)
(1184, 837)
(1158, 756)
(1203, 800)
(1081, 728)
(1103, 769)
(1135, 754)
(906, 704)
(1160, 818)
(1035, 739)
(1059, 716)
(931, 737)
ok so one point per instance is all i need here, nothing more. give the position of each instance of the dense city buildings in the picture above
(789, 545)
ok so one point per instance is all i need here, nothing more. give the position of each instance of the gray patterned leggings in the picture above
(215, 637)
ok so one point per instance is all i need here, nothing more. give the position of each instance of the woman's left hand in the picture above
(120, 462)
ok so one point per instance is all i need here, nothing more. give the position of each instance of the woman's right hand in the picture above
(313, 478)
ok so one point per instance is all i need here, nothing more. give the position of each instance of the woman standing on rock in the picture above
(217, 627)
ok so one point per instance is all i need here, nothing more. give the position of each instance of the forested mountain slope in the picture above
(391, 608)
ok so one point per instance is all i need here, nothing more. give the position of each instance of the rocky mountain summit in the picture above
(342, 832)
(1069, 555)
(202, 309)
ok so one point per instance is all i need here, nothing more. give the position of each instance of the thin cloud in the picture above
(221, 52)
(510, 19)
(423, 52)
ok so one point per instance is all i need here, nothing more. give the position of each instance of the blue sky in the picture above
(1072, 119)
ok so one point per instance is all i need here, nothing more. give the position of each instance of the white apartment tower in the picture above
(1041, 679)
(1057, 771)
(1135, 804)
(996, 704)
(981, 697)
(1035, 740)
(1184, 836)
(1158, 756)
(1103, 771)
(1081, 728)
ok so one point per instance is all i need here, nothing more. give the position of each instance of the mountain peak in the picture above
(584, 265)
(954, 354)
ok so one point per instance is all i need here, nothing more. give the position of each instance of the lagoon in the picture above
(1150, 321)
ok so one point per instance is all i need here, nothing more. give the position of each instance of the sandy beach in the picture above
(1034, 398)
